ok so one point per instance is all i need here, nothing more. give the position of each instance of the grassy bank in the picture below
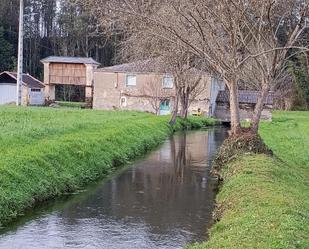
(264, 201)
(47, 152)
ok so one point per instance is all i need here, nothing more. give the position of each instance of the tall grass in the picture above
(264, 201)
(47, 152)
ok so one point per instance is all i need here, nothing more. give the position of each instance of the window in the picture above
(168, 82)
(165, 105)
(35, 90)
(131, 80)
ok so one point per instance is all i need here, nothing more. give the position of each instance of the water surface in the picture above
(164, 200)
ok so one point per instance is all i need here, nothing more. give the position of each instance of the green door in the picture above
(165, 107)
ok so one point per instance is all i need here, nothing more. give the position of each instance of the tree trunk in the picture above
(185, 95)
(258, 110)
(157, 105)
(186, 105)
(182, 102)
(175, 109)
(234, 107)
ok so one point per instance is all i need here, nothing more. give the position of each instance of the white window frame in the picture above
(127, 80)
(167, 86)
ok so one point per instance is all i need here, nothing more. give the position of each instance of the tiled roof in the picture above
(70, 60)
(153, 65)
(27, 79)
(143, 66)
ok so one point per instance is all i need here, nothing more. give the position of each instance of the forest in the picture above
(52, 27)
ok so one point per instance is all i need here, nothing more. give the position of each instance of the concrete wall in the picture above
(111, 92)
(217, 85)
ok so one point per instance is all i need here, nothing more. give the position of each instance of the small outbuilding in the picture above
(74, 74)
(32, 89)
(247, 102)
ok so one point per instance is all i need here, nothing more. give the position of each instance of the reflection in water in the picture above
(163, 201)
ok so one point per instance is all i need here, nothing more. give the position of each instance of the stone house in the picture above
(138, 86)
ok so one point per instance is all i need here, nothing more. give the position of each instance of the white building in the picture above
(32, 89)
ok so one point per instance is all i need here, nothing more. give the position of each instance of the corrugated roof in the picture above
(71, 60)
(27, 79)
(245, 97)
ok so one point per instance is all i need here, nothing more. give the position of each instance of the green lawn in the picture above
(68, 104)
(46, 152)
(264, 201)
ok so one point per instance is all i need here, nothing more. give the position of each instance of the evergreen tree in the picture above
(301, 78)
(51, 27)
(7, 60)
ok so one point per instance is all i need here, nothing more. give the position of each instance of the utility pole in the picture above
(20, 54)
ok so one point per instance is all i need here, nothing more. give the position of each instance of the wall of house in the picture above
(110, 88)
(202, 99)
(106, 95)
(8, 94)
(111, 92)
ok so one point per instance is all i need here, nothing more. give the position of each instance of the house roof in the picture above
(143, 66)
(154, 65)
(70, 60)
(27, 79)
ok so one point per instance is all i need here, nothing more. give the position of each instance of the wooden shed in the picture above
(247, 102)
(245, 97)
(72, 71)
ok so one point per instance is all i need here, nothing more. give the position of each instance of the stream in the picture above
(164, 200)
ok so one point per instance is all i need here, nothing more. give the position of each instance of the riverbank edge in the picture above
(104, 160)
(261, 202)
(229, 229)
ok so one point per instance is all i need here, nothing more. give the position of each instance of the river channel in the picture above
(164, 200)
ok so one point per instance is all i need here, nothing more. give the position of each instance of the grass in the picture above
(47, 152)
(68, 104)
(264, 201)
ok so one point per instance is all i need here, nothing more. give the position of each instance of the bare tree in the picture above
(229, 37)
(171, 60)
(188, 92)
(155, 93)
(187, 79)
(198, 93)
(274, 29)
(205, 28)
